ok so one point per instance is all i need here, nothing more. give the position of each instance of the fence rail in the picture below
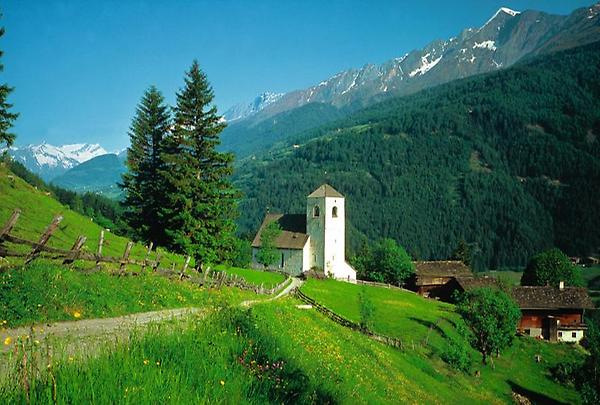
(205, 276)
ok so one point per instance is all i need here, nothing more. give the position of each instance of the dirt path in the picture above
(102, 327)
(296, 283)
(86, 328)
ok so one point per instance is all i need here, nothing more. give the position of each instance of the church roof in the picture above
(293, 231)
(325, 190)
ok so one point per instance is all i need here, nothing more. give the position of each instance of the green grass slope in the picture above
(257, 277)
(38, 209)
(430, 325)
(272, 353)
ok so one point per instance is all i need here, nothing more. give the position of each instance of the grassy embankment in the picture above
(37, 211)
(278, 353)
(267, 278)
(414, 319)
(46, 291)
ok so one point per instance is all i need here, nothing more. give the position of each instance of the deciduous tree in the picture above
(268, 255)
(550, 268)
(492, 317)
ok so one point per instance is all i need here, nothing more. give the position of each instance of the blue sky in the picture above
(80, 67)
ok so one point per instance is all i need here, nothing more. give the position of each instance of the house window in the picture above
(334, 212)
(282, 261)
(559, 334)
(573, 334)
(316, 211)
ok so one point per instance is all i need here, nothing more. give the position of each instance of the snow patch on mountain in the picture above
(426, 66)
(245, 110)
(505, 10)
(491, 45)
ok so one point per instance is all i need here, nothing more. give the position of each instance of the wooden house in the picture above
(553, 313)
(436, 279)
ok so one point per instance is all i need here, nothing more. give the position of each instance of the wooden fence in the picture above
(390, 341)
(40, 249)
(384, 285)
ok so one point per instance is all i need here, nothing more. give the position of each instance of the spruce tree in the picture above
(6, 117)
(200, 201)
(141, 183)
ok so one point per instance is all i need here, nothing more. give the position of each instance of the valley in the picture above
(419, 228)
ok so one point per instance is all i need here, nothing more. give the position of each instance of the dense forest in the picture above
(507, 161)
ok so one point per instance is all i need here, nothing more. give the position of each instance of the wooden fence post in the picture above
(147, 256)
(44, 239)
(156, 263)
(185, 266)
(100, 244)
(10, 224)
(125, 258)
(75, 250)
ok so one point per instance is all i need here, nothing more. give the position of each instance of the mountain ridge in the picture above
(506, 38)
(49, 161)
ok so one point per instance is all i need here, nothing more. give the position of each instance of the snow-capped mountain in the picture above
(49, 161)
(244, 110)
(507, 37)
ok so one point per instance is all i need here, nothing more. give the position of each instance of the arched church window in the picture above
(334, 212)
(316, 211)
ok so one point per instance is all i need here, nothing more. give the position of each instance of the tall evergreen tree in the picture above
(6, 117)
(200, 201)
(141, 183)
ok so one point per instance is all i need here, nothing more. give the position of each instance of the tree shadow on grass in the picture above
(431, 325)
(534, 397)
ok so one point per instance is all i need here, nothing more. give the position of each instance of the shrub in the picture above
(457, 356)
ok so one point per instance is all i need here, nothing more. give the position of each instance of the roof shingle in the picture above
(325, 190)
(548, 297)
(293, 231)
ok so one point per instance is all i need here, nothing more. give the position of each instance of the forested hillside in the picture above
(508, 161)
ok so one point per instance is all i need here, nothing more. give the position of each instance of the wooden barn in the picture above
(553, 313)
(436, 279)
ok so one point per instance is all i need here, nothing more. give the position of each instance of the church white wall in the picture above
(315, 227)
(328, 236)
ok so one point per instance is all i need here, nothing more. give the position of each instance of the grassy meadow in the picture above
(268, 279)
(271, 353)
(38, 210)
(431, 326)
(43, 292)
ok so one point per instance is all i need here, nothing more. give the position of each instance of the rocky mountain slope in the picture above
(49, 161)
(506, 38)
(508, 161)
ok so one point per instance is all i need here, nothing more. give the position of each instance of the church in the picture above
(315, 240)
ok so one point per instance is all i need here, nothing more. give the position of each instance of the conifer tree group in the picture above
(177, 189)
(6, 116)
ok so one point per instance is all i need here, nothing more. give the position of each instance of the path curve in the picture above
(86, 328)
(92, 327)
(296, 283)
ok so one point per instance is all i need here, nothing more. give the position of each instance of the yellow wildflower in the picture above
(222, 382)
(77, 314)
(158, 363)
(146, 362)
(8, 341)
